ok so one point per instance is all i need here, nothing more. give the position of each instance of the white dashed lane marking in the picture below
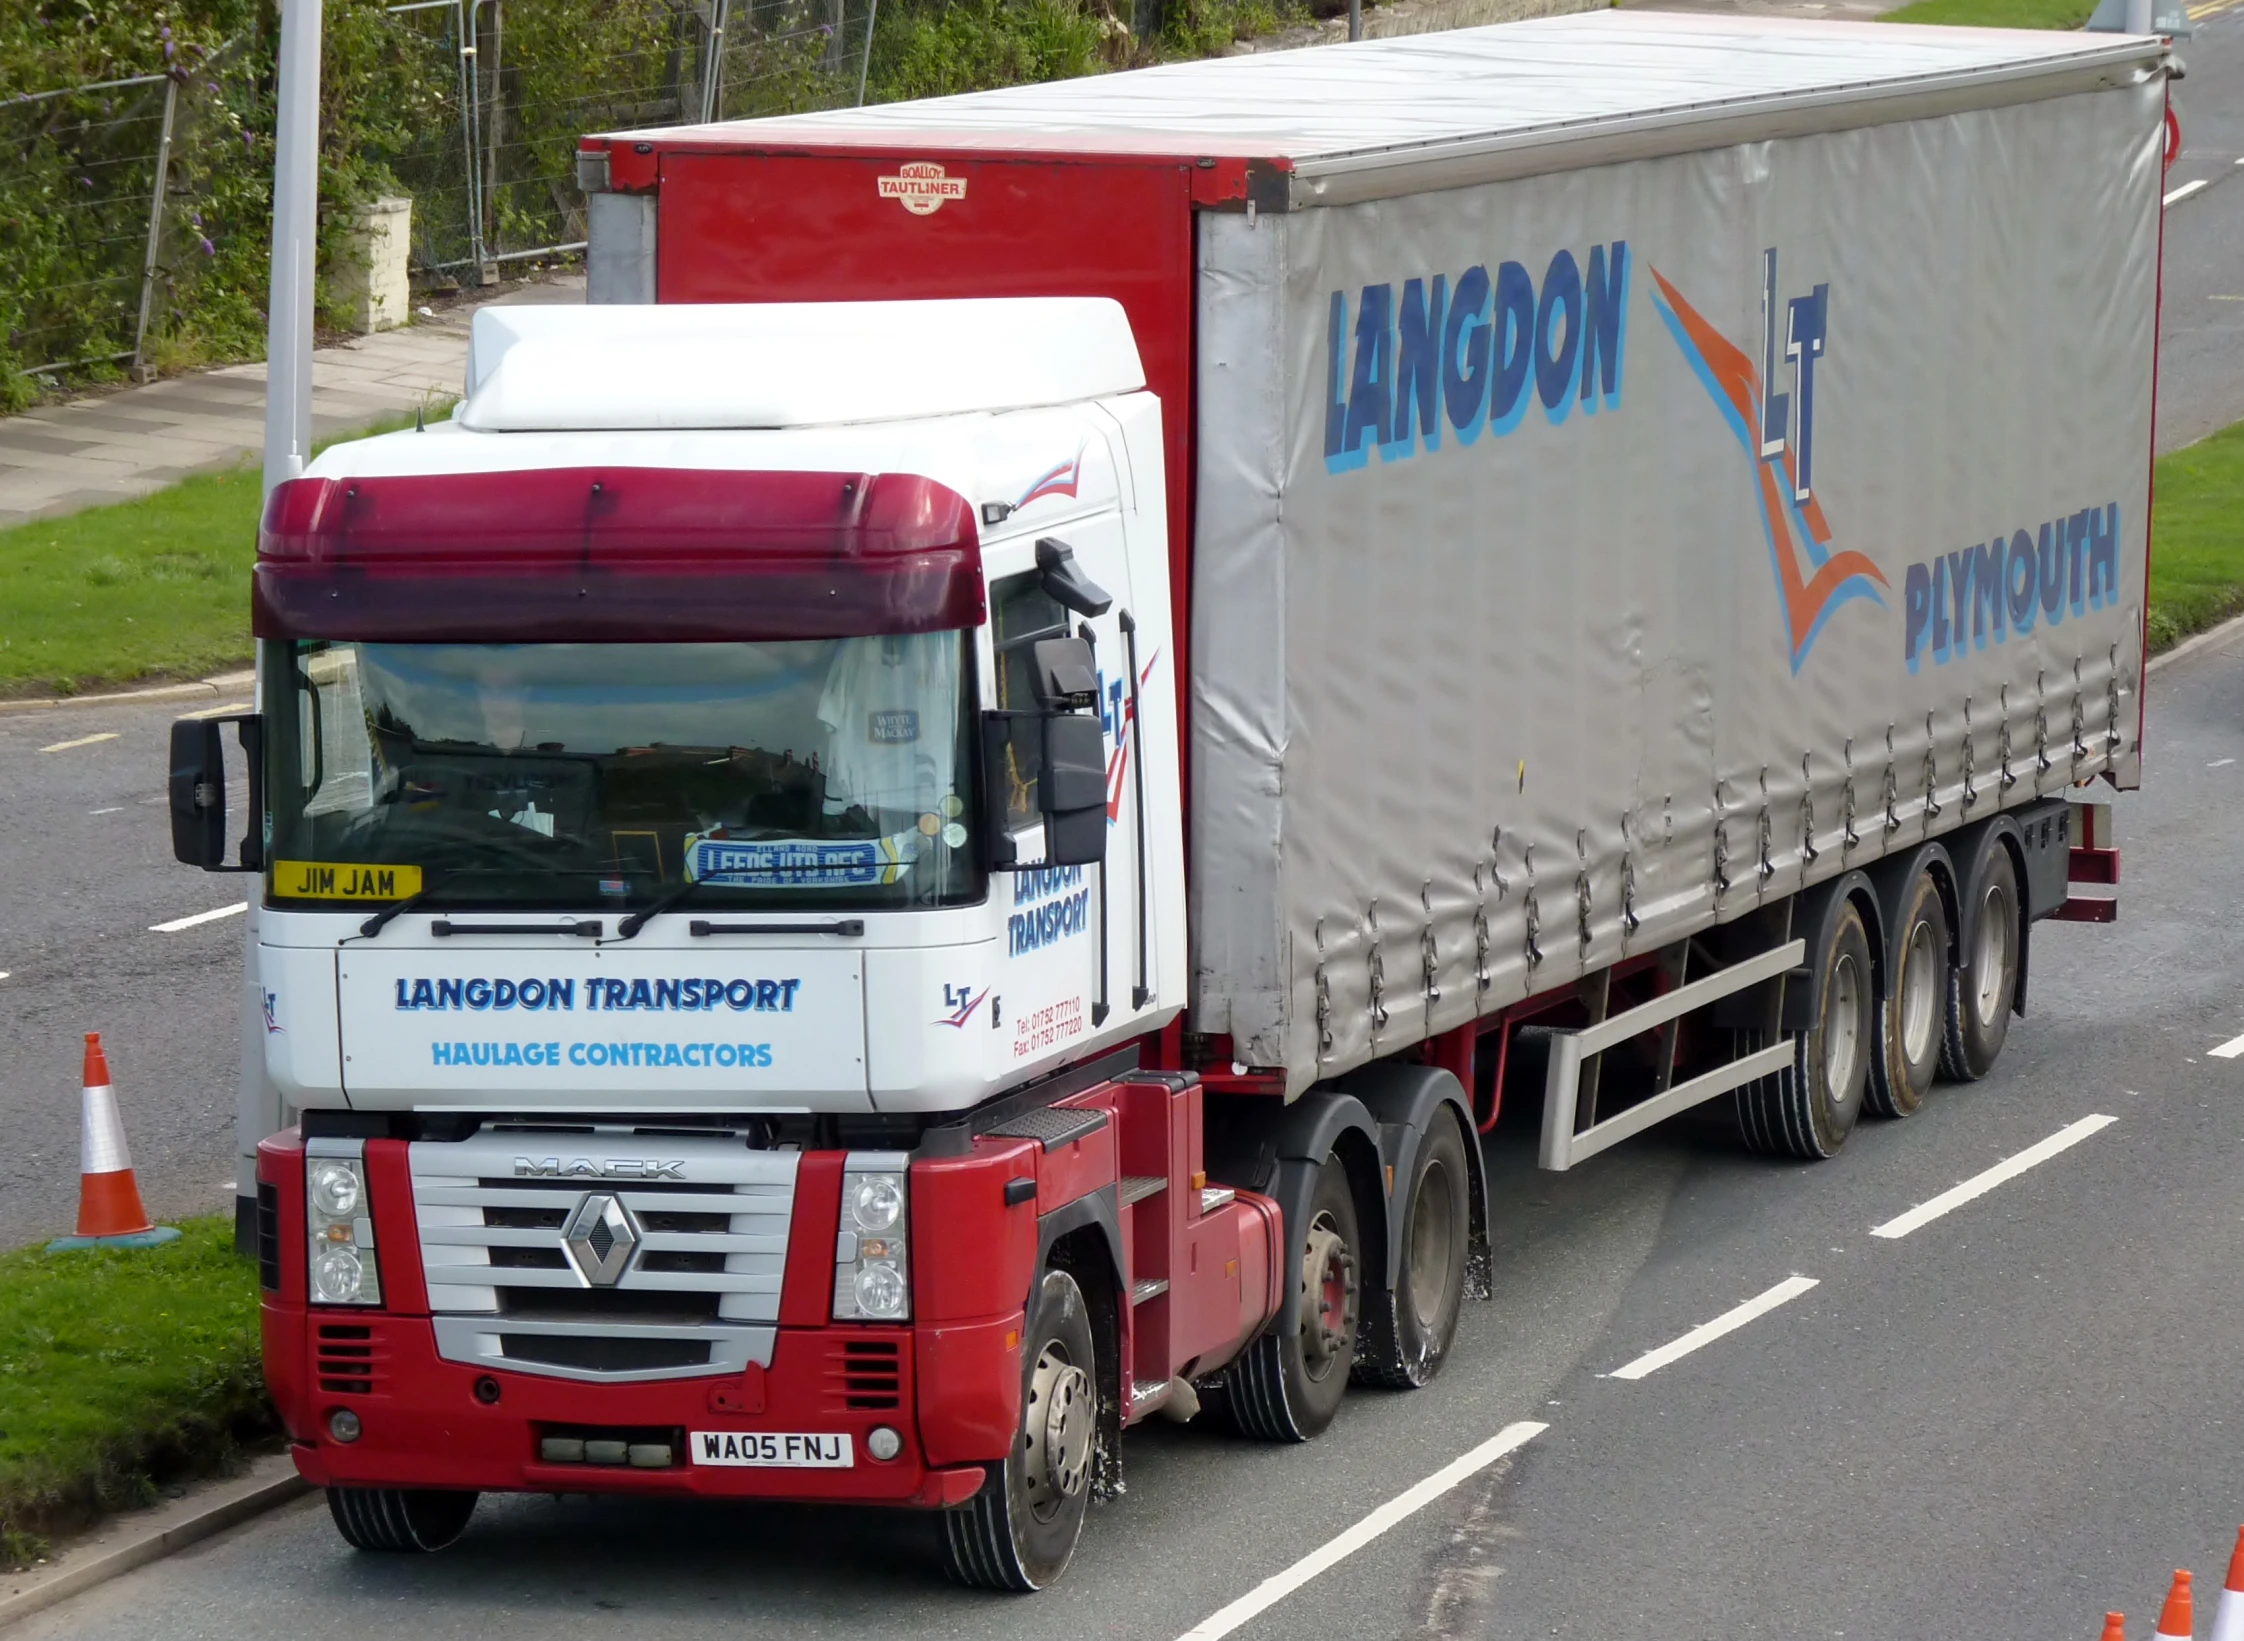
(83, 740)
(1707, 1332)
(179, 923)
(1401, 1507)
(1980, 1184)
(2228, 1050)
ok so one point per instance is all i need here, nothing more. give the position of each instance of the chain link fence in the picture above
(88, 166)
(491, 168)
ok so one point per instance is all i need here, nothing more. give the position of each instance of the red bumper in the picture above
(424, 1424)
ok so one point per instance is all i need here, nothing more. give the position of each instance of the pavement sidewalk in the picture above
(114, 446)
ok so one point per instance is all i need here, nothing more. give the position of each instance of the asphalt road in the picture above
(85, 854)
(2201, 305)
(1999, 1425)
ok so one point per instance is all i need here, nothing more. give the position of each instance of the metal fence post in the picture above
(155, 222)
(471, 138)
(713, 67)
(865, 63)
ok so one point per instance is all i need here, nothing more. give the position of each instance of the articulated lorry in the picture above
(935, 826)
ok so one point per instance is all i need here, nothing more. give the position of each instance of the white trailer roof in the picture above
(1472, 93)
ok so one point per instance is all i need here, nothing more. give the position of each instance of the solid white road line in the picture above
(1980, 1184)
(178, 923)
(1400, 1508)
(2187, 189)
(219, 712)
(113, 809)
(1707, 1332)
(83, 740)
(2228, 1050)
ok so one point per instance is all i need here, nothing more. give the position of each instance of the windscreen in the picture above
(803, 774)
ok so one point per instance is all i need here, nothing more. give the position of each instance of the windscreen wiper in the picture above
(638, 920)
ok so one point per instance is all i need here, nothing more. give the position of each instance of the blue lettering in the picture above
(2103, 555)
(1605, 325)
(1336, 398)
(1464, 355)
(1514, 346)
(1418, 367)
(1370, 397)
(1986, 590)
(447, 994)
(2051, 551)
(1557, 361)
(478, 993)
(1916, 607)
(666, 994)
(424, 994)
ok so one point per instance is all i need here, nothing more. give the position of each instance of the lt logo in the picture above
(960, 1002)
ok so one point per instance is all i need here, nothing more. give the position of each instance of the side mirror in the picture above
(1067, 675)
(198, 793)
(1071, 790)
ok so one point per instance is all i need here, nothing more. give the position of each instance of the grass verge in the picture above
(2197, 549)
(1996, 13)
(121, 1369)
(147, 589)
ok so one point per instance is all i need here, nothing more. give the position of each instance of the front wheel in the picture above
(1020, 1531)
(1982, 988)
(1286, 1387)
(398, 1520)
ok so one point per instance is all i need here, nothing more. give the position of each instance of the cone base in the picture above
(154, 1237)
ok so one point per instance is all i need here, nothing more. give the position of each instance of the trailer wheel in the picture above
(1910, 1025)
(1408, 1330)
(1019, 1532)
(1809, 1109)
(1287, 1388)
(1983, 986)
(397, 1520)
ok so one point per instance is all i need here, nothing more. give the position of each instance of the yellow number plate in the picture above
(328, 880)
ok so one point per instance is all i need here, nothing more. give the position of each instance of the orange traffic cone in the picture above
(2177, 1622)
(2228, 1622)
(110, 1214)
(2115, 1627)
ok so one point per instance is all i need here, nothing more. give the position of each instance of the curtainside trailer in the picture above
(936, 825)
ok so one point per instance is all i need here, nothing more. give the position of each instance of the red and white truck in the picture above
(936, 825)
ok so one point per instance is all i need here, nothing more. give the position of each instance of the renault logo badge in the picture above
(601, 1237)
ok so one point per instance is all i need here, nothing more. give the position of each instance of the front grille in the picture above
(696, 1292)
(344, 1359)
(268, 1237)
(593, 1353)
(865, 1375)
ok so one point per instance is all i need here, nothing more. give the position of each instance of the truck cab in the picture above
(737, 742)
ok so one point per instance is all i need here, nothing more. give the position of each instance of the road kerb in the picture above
(220, 685)
(2231, 628)
(272, 1482)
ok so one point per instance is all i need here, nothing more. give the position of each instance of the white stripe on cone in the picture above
(2228, 1623)
(101, 1145)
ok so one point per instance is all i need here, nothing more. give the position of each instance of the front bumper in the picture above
(425, 1424)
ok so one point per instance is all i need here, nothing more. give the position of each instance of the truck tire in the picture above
(1982, 987)
(397, 1520)
(1809, 1109)
(1020, 1531)
(1287, 1388)
(1408, 1329)
(1910, 1025)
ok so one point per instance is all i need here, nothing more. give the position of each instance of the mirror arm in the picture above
(1142, 993)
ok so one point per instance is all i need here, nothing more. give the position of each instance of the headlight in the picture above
(877, 1202)
(335, 1190)
(342, 1266)
(872, 1266)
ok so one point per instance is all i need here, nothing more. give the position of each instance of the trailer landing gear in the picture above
(1019, 1532)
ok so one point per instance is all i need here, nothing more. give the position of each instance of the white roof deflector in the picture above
(776, 365)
